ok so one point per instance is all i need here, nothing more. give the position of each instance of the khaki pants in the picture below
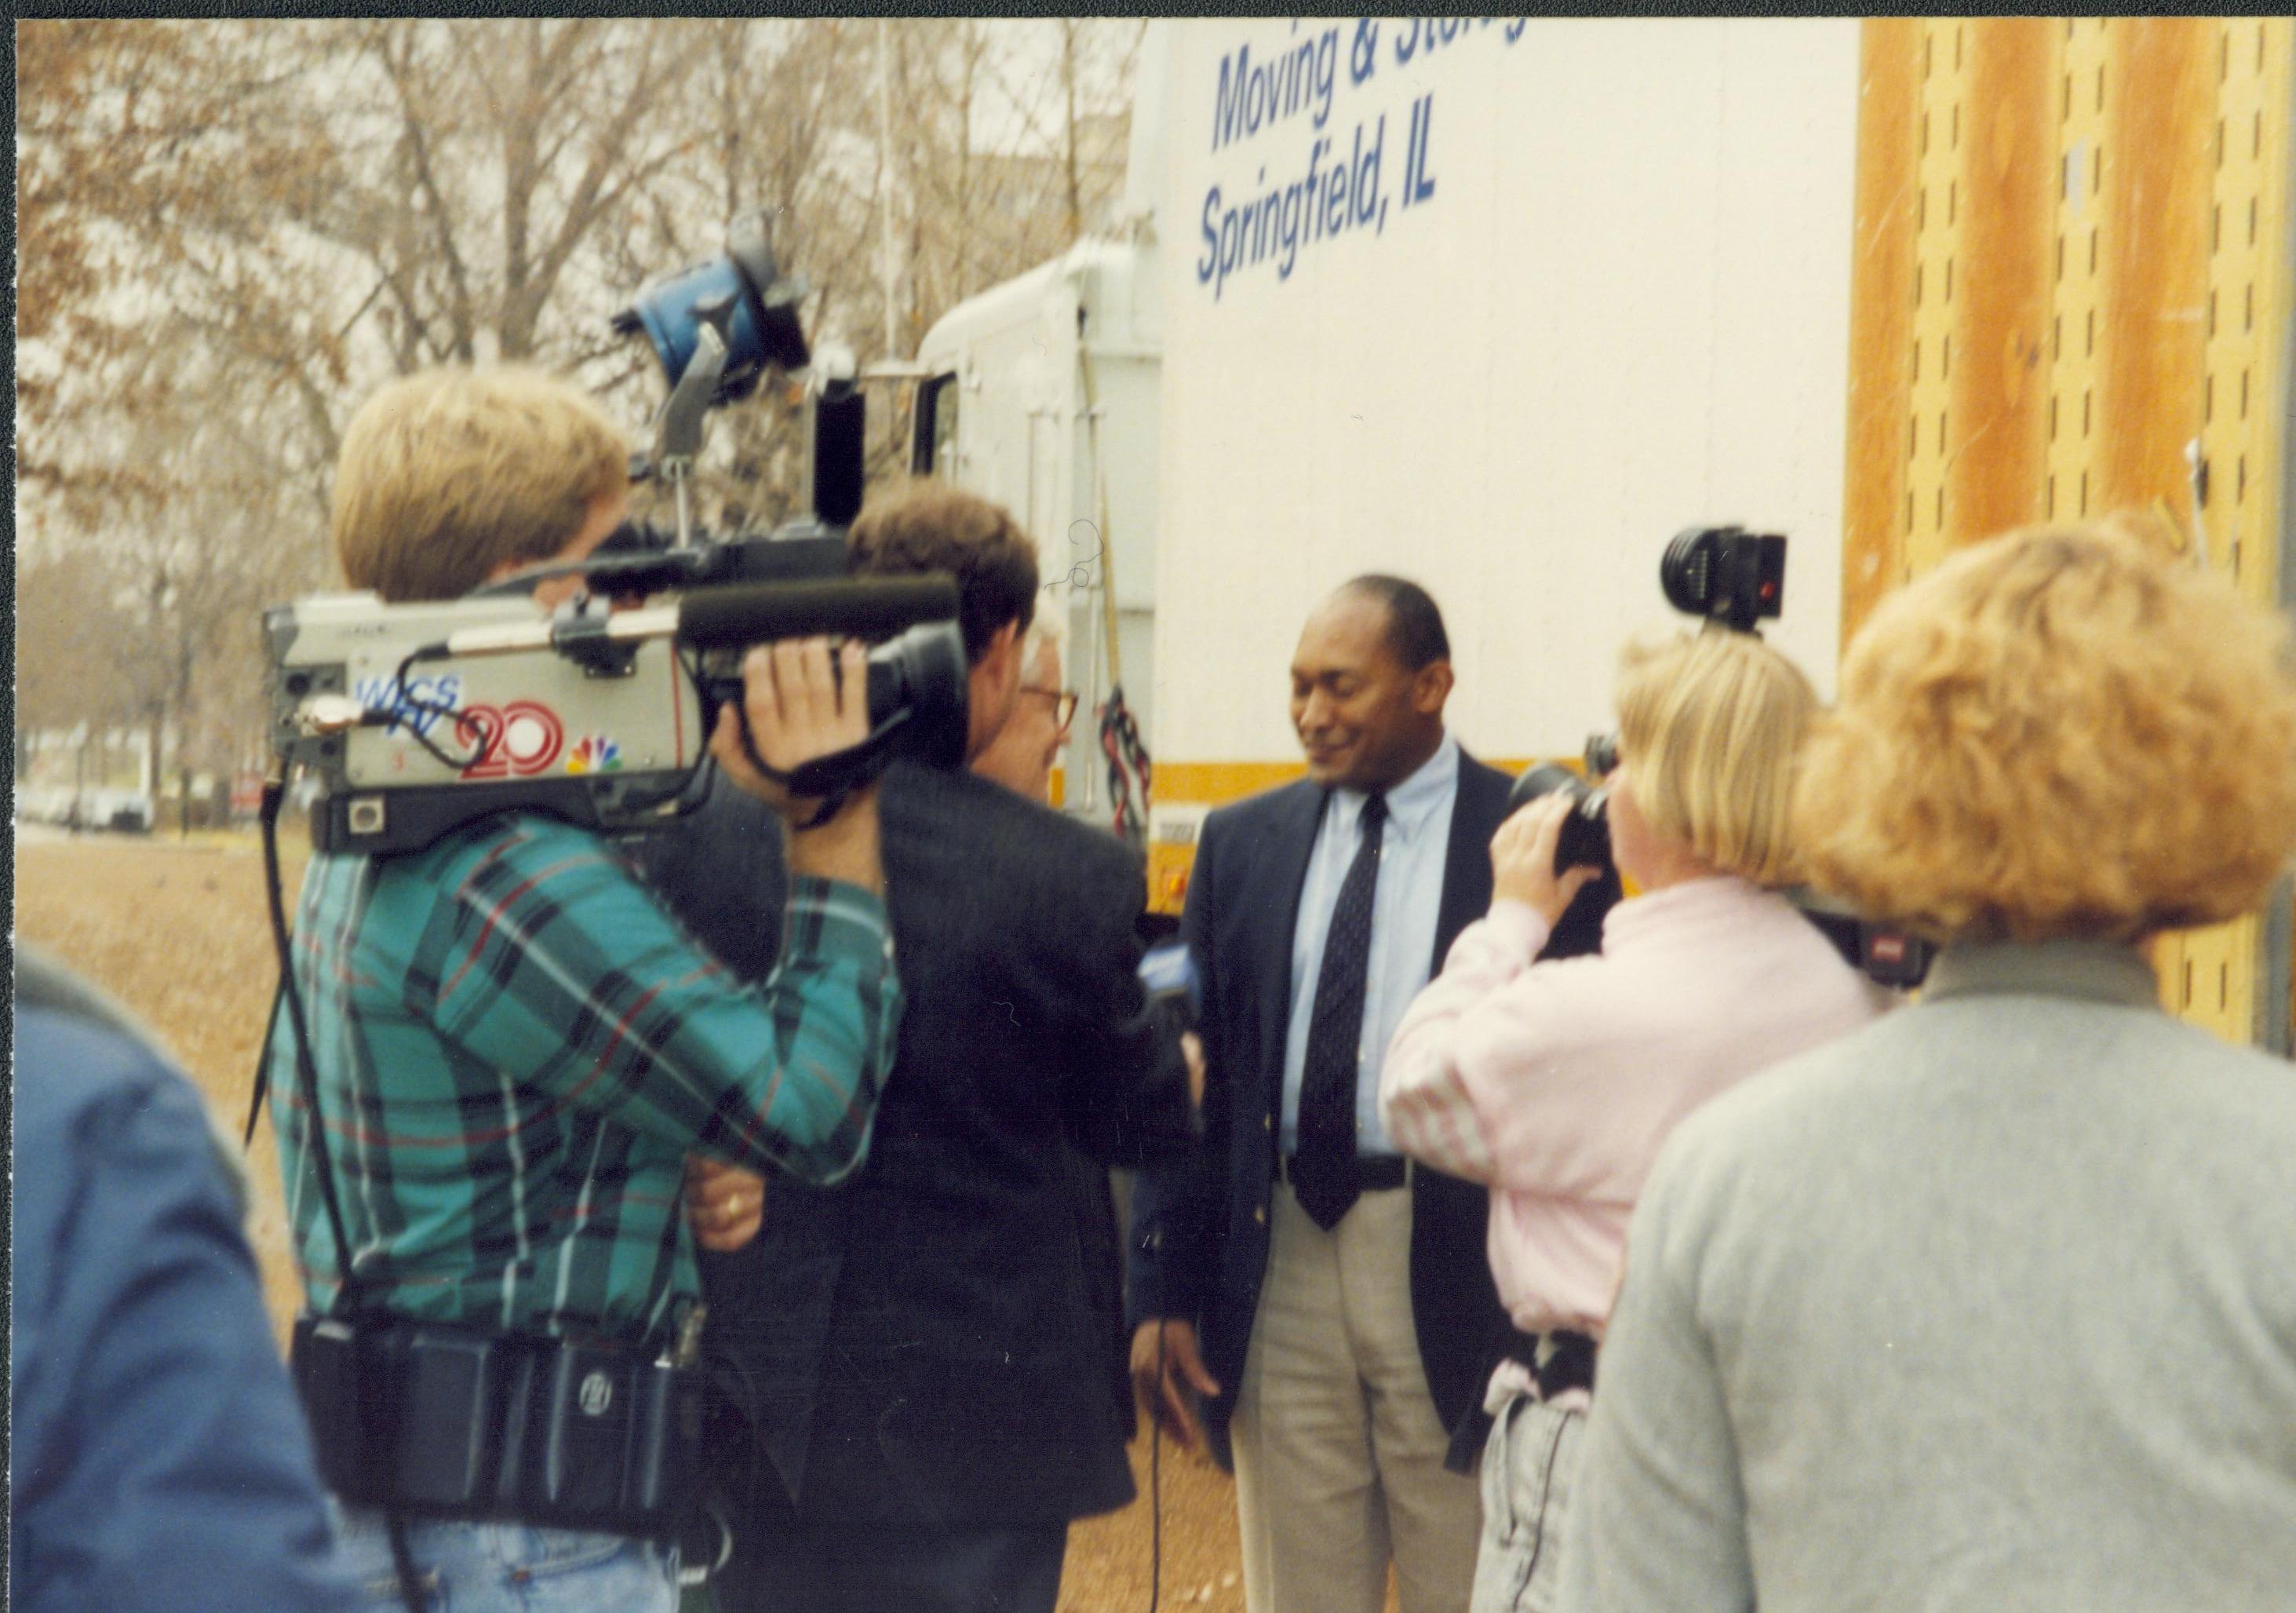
(1338, 1452)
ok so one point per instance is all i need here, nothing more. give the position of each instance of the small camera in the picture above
(1733, 579)
(1584, 842)
(1586, 839)
(1889, 954)
(1725, 574)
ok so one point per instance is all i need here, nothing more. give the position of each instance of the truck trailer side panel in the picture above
(1500, 307)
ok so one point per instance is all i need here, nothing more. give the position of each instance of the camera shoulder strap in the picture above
(348, 1296)
(263, 1060)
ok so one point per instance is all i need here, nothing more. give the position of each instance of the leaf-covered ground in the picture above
(177, 932)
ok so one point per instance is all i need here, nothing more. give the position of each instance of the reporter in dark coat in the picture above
(1020, 757)
(926, 1376)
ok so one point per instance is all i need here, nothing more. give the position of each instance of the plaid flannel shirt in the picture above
(516, 1047)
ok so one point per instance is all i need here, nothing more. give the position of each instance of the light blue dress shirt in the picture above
(1408, 901)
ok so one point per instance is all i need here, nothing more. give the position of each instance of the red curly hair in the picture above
(2060, 732)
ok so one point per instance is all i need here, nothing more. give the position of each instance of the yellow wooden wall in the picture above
(2071, 279)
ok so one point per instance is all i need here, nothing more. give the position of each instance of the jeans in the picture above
(493, 1568)
(1530, 1466)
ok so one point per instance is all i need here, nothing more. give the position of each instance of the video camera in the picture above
(1733, 579)
(1725, 574)
(417, 719)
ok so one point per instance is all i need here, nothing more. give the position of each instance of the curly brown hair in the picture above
(2058, 733)
(926, 526)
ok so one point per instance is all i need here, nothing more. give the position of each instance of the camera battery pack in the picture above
(346, 1430)
(607, 1434)
(436, 1421)
(448, 1387)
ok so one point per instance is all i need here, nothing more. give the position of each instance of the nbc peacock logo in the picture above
(595, 754)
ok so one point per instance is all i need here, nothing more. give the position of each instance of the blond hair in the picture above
(447, 475)
(1711, 723)
(2057, 733)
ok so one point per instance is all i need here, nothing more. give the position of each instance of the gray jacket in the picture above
(1989, 1305)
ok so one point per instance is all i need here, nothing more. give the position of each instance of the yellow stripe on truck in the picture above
(1185, 791)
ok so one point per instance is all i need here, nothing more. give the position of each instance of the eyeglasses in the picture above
(1064, 702)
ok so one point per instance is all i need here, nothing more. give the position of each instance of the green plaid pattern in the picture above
(517, 1047)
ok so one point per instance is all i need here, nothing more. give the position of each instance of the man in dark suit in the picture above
(1328, 1307)
(1020, 757)
(923, 1376)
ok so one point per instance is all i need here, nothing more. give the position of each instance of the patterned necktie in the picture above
(1323, 1167)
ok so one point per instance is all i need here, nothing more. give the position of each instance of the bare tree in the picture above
(68, 621)
(230, 230)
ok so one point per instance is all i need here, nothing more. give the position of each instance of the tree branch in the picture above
(462, 317)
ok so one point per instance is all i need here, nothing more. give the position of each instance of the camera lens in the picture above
(1686, 573)
(1586, 839)
(923, 673)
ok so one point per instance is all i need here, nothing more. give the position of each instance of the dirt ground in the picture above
(177, 932)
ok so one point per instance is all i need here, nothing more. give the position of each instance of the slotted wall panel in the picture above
(2076, 210)
(2238, 504)
(1937, 234)
(2071, 294)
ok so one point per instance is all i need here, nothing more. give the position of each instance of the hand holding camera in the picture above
(797, 708)
(1523, 859)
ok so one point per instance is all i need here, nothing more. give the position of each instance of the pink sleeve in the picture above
(1574, 1073)
(1423, 1099)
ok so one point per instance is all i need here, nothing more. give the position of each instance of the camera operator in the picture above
(514, 1045)
(1992, 1304)
(1020, 757)
(1556, 1082)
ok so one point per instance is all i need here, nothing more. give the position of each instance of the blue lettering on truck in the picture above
(1333, 191)
(1273, 223)
(1307, 74)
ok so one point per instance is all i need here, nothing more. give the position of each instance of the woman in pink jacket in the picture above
(1555, 1083)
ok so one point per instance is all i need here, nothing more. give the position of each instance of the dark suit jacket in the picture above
(1198, 1247)
(918, 1344)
